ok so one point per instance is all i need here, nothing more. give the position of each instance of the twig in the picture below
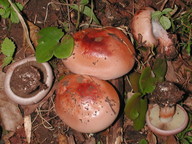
(25, 28)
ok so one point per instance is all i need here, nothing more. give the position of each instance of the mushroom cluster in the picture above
(152, 33)
(84, 100)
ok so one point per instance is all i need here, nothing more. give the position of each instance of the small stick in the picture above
(26, 32)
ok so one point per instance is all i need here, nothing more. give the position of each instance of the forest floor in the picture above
(47, 128)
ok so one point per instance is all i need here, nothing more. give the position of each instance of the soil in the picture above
(47, 128)
(25, 80)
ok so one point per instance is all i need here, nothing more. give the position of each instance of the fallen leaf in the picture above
(151, 138)
(9, 112)
(33, 30)
(62, 139)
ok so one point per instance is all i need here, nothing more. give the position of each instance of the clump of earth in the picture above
(26, 79)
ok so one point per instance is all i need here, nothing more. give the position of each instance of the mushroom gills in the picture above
(161, 34)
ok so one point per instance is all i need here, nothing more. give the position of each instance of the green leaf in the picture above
(14, 17)
(48, 34)
(18, 6)
(189, 138)
(160, 69)
(167, 10)
(146, 81)
(143, 141)
(49, 44)
(4, 3)
(42, 54)
(2, 11)
(84, 2)
(66, 47)
(165, 22)
(156, 15)
(188, 47)
(139, 122)
(7, 13)
(131, 107)
(6, 61)
(87, 11)
(8, 47)
(134, 80)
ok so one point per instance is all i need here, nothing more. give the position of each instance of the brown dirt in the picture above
(47, 128)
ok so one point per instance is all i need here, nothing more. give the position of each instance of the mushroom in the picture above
(166, 117)
(27, 81)
(105, 53)
(85, 103)
(152, 33)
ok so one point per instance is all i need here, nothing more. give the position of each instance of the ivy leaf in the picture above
(134, 80)
(131, 107)
(146, 81)
(88, 12)
(156, 15)
(84, 2)
(50, 44)
(165, 22)
(167, 10)
(143, 141)
(160, 69)
(49, 40)
(8, 49)
(139, 122)
(66, 47)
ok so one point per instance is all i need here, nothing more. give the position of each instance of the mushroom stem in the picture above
(166, 113)
(165, 42)
(161, 34)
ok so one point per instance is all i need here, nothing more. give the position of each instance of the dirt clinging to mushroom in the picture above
(167, 94)
(26, 79)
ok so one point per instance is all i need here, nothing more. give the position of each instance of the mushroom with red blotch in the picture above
(86, 104)
(166, 117)
(152, 34)
(105, 53)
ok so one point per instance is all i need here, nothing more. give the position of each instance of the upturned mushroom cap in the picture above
(32, 97)
(86, 104)
(178, 122)
(141, 27)
(105, 53)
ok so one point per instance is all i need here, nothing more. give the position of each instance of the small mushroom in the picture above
(167, 117)
(105, 53)
(27, 81)
(152, 33)
(85, 103)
